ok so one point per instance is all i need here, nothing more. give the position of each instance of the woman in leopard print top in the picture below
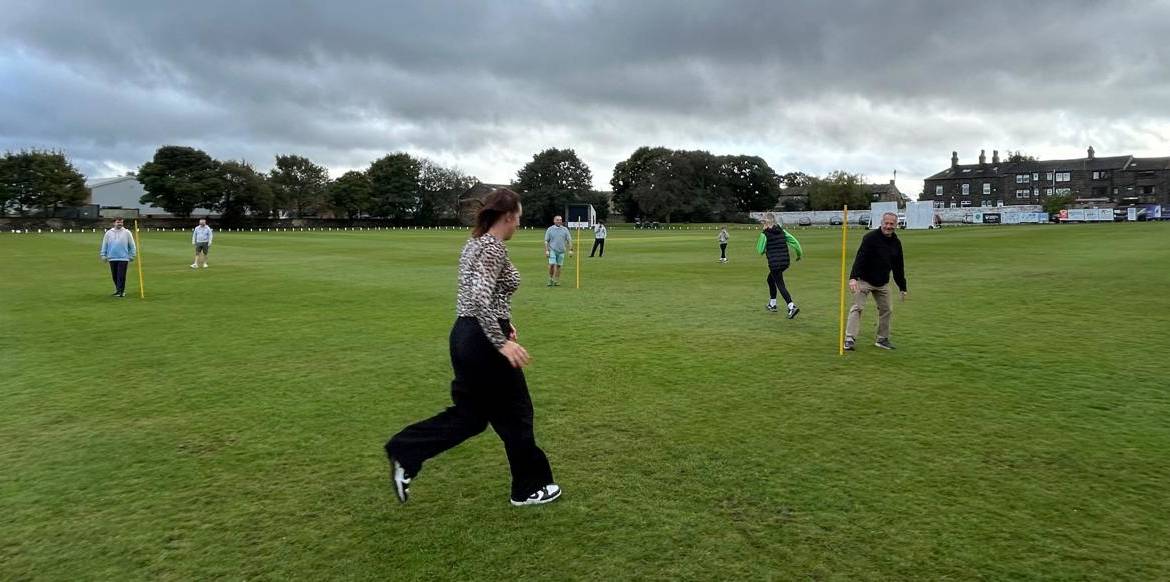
(487, 281)
(489, 385)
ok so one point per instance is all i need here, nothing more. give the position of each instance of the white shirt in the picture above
(599, 231)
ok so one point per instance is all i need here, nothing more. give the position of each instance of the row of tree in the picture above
(654, 183)
(39, 179)
(397, 187)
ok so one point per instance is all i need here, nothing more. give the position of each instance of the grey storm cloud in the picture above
(861, 85)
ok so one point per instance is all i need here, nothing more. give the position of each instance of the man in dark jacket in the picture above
(880, 252)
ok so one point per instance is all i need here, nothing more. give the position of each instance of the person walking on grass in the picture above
(773, 242)
(201, 238)
(557, 240)
(723, 236)
(489, 387)
(599, 234)
(118, 249)
(879, 254)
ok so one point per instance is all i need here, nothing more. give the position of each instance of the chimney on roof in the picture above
(892, 183)
(954, 159)
(982, 157)
(995, 157)
(1092, 153)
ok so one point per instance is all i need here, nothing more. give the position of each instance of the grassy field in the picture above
(231, 424)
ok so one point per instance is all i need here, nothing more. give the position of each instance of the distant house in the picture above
(472, 200)
(123, 193)
(1107, 180)
(886, 193)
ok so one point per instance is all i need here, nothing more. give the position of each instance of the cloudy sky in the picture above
(865, 86)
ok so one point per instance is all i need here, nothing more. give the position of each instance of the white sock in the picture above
(792, 306)
(771, 303)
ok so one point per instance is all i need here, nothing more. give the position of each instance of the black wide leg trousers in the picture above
(486, 390)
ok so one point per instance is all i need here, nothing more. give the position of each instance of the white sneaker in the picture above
(204, 265)
(194, 266)
(400, 481)
(546, 494)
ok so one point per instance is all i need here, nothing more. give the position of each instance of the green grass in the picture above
(231, 424)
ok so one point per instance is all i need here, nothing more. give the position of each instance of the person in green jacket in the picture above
(773, 243)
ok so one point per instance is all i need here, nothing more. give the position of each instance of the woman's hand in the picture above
(516, 354)
(514, 335)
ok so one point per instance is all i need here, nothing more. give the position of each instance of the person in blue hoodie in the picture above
(773, 243)
(118, 250)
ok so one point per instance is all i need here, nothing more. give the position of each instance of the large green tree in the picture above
(180, 179)
(244, 191)
(836, 190)
(631, 174)
(298, 184)
(553, 179)
(749, 182)
(39, 179)
(350, 194)
(394, 186)
(439, 190)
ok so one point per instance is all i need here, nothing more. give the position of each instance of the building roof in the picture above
(1148, 164)
(99, 182)
(480, 189)
(1027, 167)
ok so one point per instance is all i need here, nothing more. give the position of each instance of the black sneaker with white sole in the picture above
(792, 311)
(546, 494)
(849, 344)
(771, 308)
(884, 343)
(399, 480)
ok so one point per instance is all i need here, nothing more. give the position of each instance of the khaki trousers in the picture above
(881, 297)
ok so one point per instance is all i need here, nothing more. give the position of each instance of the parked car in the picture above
(804, 221)
(835, 221)
(863, 220)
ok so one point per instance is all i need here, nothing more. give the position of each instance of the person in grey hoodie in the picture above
(723, 236)
(118, 249)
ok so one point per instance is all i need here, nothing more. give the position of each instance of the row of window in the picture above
(1060, 177)
(1028, 193)
(1025, 192)
(964, 204)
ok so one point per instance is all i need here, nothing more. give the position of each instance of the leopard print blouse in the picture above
(487, 280)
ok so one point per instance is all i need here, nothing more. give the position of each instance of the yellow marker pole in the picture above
(579, 258)
(841, 328)
(138, 243)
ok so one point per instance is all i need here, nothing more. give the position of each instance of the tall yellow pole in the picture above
(841, 327)
(138, 261)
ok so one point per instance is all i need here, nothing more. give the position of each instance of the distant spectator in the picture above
(201, 238)
(118, 249)
(599, 234)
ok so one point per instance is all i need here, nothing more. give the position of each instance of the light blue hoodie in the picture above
(118, 245)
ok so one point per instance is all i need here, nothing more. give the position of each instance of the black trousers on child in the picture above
(486, 390)
(118, 272)
(776, 281)
(723, 252)
(598, 243)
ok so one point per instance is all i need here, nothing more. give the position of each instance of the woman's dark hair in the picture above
(495, 206)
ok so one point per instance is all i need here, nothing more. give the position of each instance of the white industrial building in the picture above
(123, 193)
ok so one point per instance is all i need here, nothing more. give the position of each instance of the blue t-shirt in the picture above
(558, 238)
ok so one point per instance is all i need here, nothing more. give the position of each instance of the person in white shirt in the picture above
(201, 238)
(598, 239)
(723, 236)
